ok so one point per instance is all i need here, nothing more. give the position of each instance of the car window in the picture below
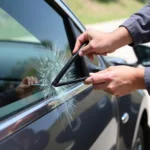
(34, 46)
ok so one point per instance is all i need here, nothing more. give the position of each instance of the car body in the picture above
(38, 122)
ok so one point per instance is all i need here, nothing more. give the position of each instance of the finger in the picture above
(32, 80)
(96, 78)
(99, 72)
(26, 80)
(80, 40)
(101, 86)
(86, 50)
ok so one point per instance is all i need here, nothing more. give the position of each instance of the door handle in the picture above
(125, 118)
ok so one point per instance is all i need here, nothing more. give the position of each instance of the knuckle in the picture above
(93, 45)
(109, 77)
(79, 39)
(111, 89)
(93, 80)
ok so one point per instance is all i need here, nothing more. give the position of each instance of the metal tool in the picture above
(56, 83)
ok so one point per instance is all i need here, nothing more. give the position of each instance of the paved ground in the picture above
(125, 52)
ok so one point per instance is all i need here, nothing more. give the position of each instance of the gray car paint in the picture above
(95, 119)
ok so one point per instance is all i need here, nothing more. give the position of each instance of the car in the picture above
(142, 52)
(36, 41)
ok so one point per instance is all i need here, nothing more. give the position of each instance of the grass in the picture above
(90, 11)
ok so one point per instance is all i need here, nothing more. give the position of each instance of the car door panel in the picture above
(94, 123)
(129, 104)
(93, 120)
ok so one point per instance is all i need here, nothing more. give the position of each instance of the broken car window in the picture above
(34, 46)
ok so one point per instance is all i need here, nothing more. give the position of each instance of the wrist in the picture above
(139, 78)
(121, 37)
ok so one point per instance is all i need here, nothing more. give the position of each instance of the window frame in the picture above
(80, 64)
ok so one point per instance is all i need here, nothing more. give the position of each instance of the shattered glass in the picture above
(47, 68)
(39, 51)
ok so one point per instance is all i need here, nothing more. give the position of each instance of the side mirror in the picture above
(119, 61)
(143, 54)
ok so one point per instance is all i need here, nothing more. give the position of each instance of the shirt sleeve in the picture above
(138, 26)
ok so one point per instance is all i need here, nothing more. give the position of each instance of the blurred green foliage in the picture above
(96, 11)
(142, 1)
(107, 1)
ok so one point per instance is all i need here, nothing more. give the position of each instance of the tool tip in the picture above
(53, 84)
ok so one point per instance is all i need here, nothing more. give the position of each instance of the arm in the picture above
(138, 25)
(134, 31)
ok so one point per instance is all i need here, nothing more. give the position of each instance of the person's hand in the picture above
(25, 89)
(118, 80)
(101, 43)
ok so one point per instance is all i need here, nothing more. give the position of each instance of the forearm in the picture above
(120, 37)
(139, 78)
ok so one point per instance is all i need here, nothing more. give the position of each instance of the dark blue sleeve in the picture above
(138, 26)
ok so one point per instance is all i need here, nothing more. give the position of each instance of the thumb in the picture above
(80, 40)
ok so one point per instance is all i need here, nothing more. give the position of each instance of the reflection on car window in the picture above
(33, 48)
(10, 29)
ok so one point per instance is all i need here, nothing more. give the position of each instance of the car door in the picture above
(36, 42)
